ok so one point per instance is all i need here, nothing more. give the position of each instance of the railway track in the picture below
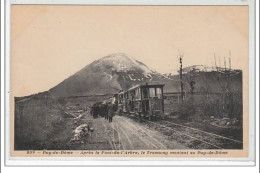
(200, 139)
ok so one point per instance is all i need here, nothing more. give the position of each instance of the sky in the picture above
(49, 43)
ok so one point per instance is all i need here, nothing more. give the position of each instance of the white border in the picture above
(250, 161)
(135, 2)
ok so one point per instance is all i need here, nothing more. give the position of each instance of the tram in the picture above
(145, 100)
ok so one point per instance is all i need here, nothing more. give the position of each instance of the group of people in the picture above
(95, 110)
(106, 110)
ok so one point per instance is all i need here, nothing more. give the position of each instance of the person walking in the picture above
(140, 110)
(111, 112)
(94, 111)
(106, 111)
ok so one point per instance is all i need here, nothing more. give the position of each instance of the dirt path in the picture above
(125, 134)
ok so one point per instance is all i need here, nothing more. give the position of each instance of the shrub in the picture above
(186, 108)
(212, 106)
(227, 105)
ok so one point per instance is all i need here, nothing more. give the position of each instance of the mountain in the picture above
(108, 75)
(116, 72)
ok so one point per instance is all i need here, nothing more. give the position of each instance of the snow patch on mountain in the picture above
(131, 78)
(142, 66)
(110, 76)
(122, 62)
(166, 77)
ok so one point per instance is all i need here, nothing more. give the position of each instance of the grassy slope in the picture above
(37, 120)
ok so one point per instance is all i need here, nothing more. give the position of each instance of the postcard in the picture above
(106, 81)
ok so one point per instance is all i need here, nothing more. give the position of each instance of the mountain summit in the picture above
(121, 62)
(107, 75)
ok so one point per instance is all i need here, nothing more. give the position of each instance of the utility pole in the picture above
(215, 62)
(225, 63)
(206, 79)
(219, 63)
(182, 93)
(229, 60)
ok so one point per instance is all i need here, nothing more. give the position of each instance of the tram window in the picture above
(145, 93)
(137, 95)
(132, 95)
(152, 92)
(159, 92)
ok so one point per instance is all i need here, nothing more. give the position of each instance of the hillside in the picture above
(116, 72)
(212, 80)
(107, 75)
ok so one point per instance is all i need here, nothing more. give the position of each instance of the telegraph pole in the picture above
(215, 62)
(225, 63)
(182, 93)
(229, 60)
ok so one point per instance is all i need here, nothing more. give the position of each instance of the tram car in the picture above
(143, 99)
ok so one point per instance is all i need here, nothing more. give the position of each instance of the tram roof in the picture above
(145, 85)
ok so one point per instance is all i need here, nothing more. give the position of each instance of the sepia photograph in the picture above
(129, 81)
